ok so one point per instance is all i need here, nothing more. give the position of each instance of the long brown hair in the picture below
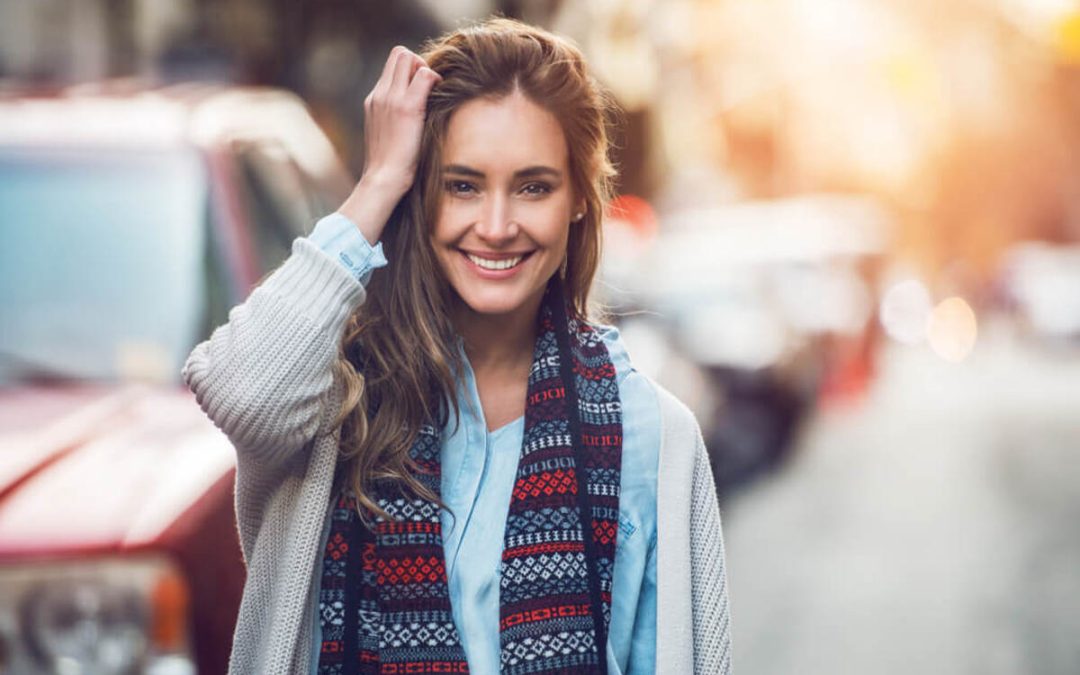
(398, 353)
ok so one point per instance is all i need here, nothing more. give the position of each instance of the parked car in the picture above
(761, 306)
(131, 222)
(1040, 285)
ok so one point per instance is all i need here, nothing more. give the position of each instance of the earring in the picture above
(578, 216)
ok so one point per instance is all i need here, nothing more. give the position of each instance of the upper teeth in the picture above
(503, 264)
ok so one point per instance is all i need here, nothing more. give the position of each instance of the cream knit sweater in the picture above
(265, 379)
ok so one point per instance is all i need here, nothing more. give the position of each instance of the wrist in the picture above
(390, 184)
(370, 205)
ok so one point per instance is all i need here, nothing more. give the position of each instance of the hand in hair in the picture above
(393, 125)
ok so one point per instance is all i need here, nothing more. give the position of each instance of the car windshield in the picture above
(101, 266)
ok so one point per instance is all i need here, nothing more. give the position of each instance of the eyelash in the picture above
(544, 188)
(454, 186)
(460, 187)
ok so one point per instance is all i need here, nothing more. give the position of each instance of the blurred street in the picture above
(932, 529)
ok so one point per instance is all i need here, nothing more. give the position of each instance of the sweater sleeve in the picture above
(266, 375)
(712, 626)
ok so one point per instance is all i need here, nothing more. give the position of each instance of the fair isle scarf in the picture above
(384, 601)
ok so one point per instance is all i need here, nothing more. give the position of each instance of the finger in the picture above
(391, 61)
(422, 66)
(422, 84)
(416, 64)
(403, 70)
(383, 83)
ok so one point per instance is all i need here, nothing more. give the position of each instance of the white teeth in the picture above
(495, 264)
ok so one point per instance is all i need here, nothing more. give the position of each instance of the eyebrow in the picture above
(528, 172)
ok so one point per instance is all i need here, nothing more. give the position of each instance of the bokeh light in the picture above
(952, 329)
(904, 311)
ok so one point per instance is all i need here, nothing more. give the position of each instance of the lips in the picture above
(488, 264)
(496, 262)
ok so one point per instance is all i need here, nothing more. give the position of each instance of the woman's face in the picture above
(504, 216)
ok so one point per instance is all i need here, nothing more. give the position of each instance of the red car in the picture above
(131, 222)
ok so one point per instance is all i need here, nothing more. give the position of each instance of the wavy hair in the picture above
(398, 354)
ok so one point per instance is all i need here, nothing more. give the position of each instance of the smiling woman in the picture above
(470, 461)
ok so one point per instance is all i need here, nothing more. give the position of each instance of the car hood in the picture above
(91, 468)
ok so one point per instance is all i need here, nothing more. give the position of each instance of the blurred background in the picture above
(847, 235)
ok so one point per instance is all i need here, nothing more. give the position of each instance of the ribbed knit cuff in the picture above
(315, 285)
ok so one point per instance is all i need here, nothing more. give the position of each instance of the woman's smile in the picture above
(489, 265)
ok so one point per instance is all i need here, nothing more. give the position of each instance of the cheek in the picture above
(548, 223)
(441, 237)
(558, 233)
(442, 249)
(453, 220)
(440, 230)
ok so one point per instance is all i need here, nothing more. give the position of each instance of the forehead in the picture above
(504, 134)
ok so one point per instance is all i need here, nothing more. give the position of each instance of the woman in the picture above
(417, 445)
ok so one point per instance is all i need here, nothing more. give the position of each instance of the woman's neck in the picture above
(499, 344)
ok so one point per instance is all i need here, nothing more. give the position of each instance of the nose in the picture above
(496, 226)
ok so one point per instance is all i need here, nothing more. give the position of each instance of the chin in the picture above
(494, 301)
(501, 293)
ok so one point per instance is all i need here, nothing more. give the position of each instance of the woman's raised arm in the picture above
(393, 126)
(266, 376)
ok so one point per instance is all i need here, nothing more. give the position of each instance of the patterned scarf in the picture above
(384, 601)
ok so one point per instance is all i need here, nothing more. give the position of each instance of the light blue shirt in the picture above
(478, 472)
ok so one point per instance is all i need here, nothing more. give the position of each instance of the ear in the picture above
(578, 211)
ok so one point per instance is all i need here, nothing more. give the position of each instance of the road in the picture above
(933, 528)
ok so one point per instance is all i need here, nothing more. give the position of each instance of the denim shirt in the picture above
(478, 472)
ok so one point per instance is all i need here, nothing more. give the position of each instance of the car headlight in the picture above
(99, 617)
(76, 626)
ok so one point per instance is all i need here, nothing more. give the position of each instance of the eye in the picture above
(459, 188)
(536, 188)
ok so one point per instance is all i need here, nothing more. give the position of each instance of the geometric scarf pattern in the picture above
(384, 600)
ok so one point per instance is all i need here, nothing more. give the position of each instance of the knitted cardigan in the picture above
(265, 379)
